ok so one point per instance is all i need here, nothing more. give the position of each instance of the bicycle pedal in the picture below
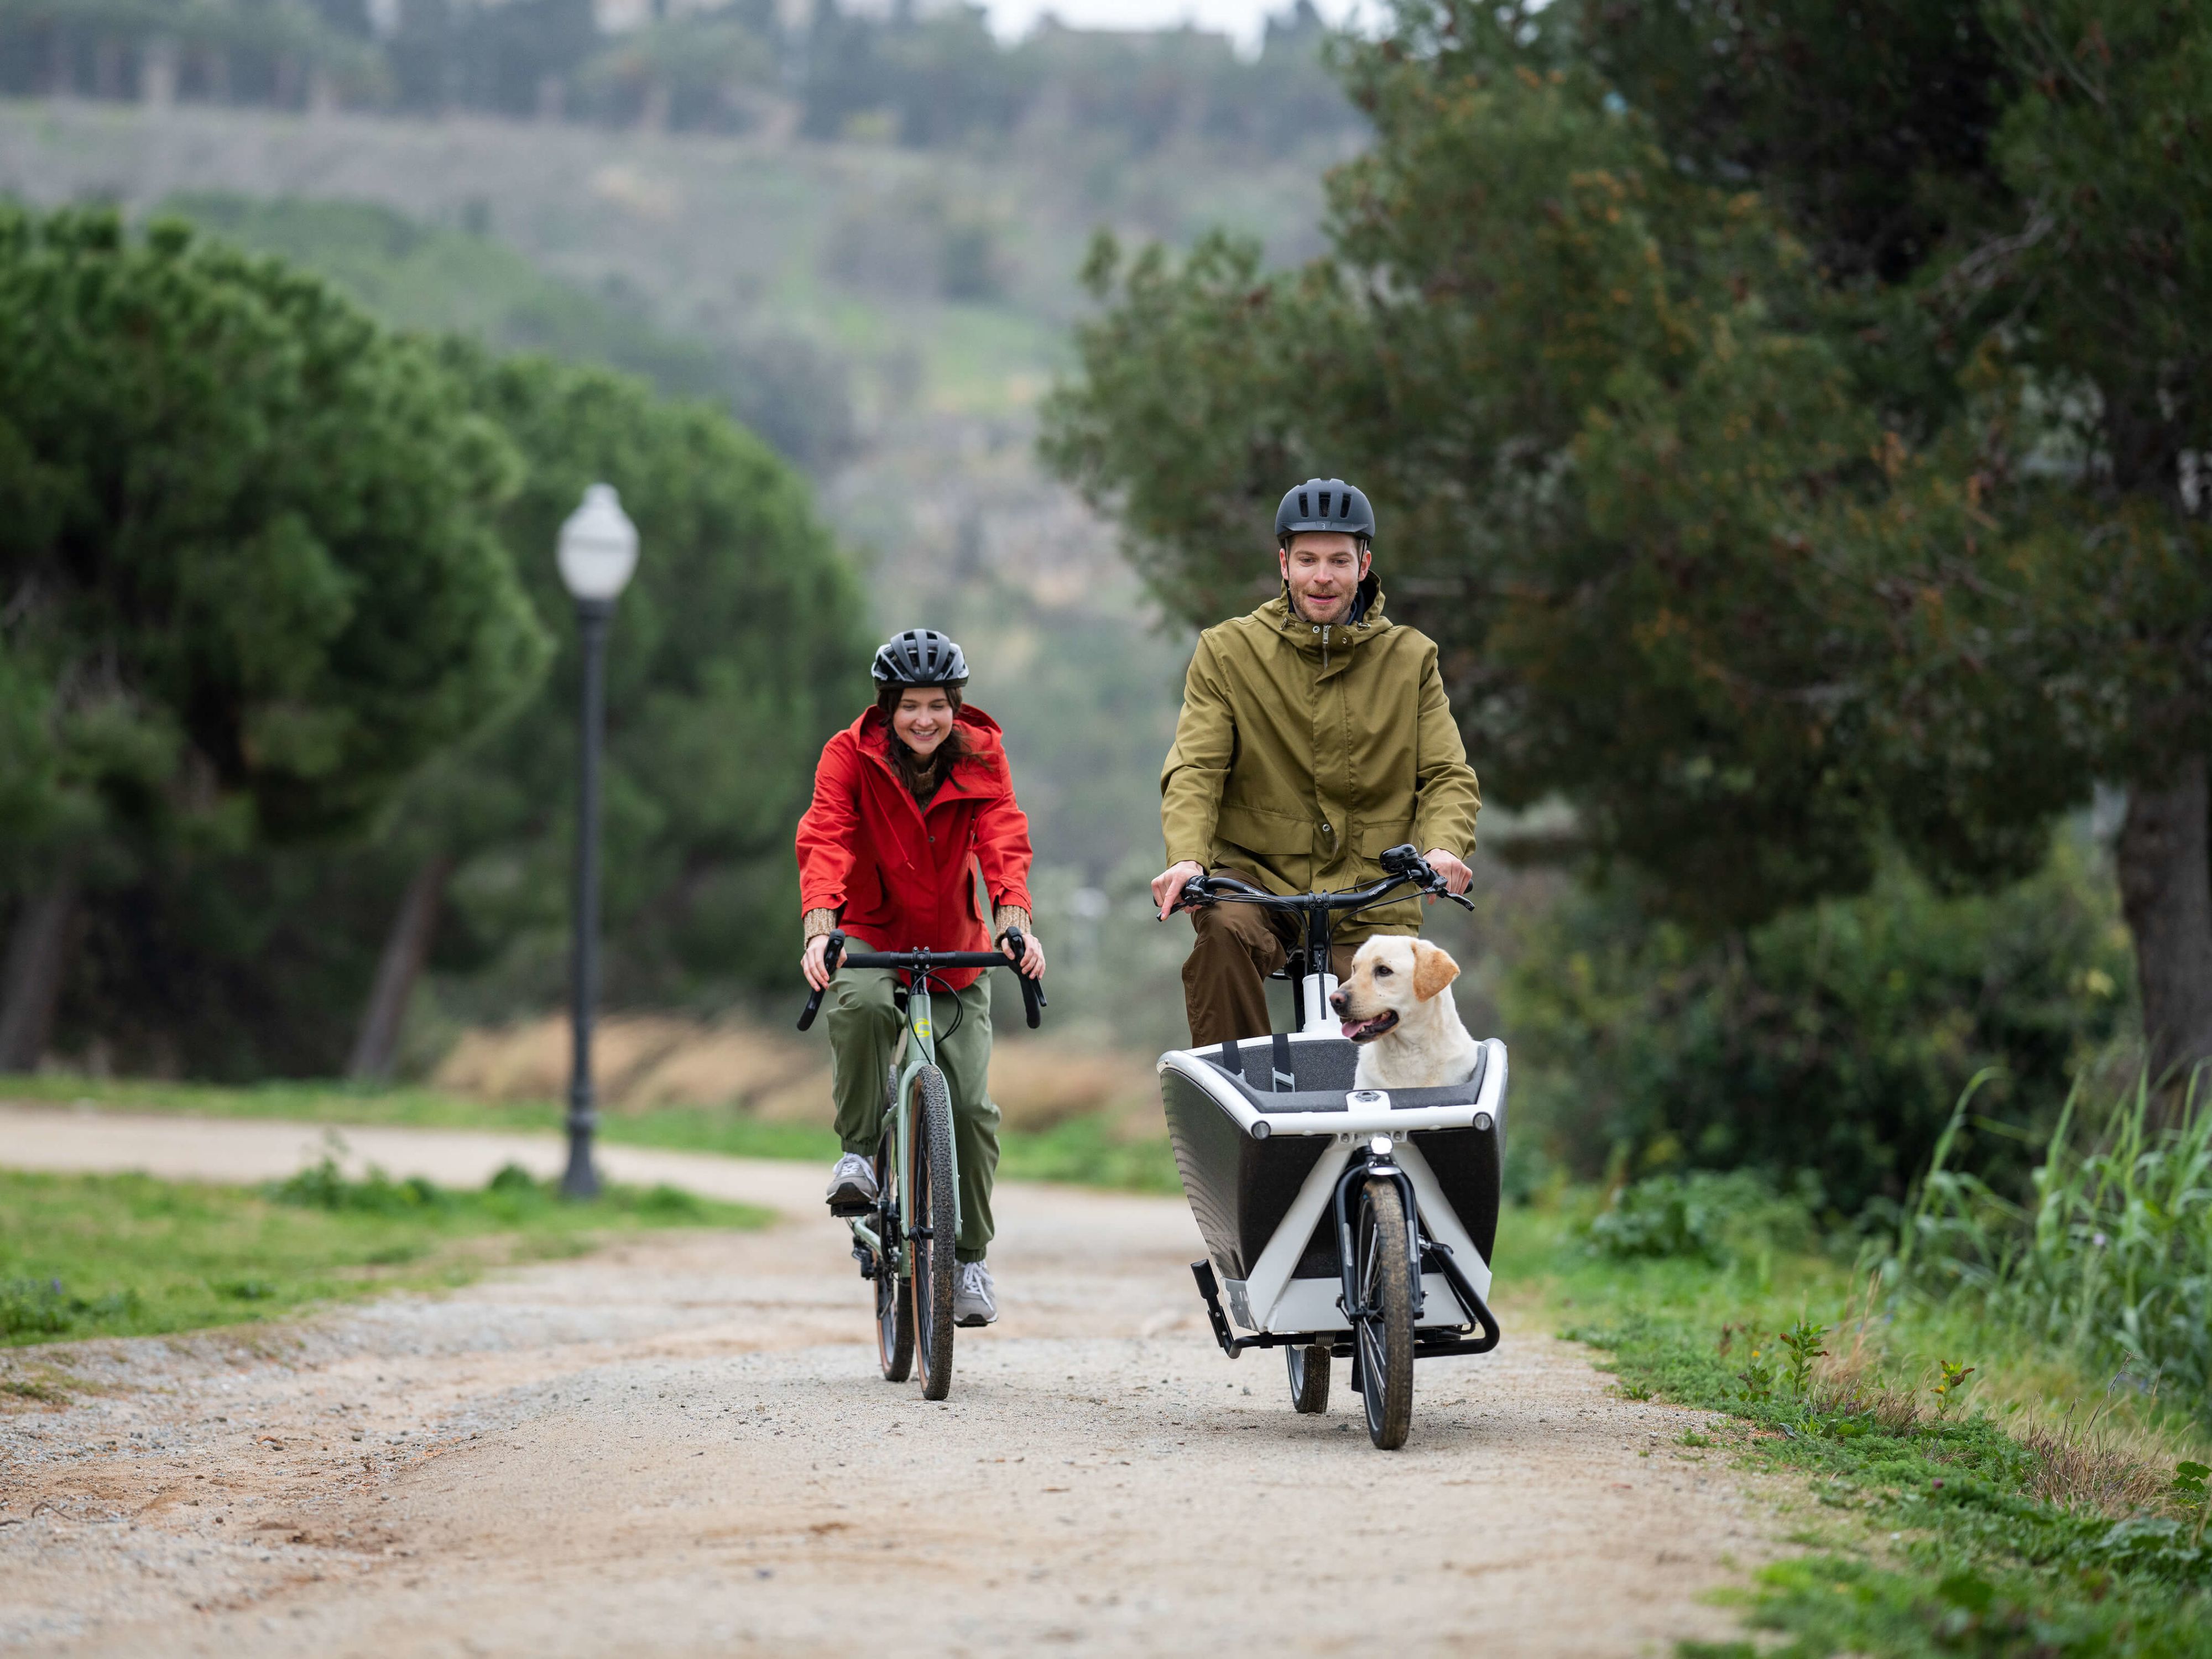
(866, 1258)
(852, 1207)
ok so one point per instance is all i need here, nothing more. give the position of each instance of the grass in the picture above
(129, 1255)
(1976, 1493)
(1084, 1151)
(2111, 1260)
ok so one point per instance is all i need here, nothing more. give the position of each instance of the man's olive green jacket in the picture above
(1301, 753)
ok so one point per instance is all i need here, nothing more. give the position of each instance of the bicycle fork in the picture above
(1378, 1164)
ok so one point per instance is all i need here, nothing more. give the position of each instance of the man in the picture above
(1314, 734)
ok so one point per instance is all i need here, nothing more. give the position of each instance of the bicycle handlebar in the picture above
(1404, 868)
(926, 963)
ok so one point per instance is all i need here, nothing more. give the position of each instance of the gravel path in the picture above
(681, 1445)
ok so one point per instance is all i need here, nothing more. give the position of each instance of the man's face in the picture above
(1324, 568)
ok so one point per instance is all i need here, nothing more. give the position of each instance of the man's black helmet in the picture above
(921, 656)
(1324, 504)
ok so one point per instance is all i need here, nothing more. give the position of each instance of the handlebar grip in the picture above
(830, 960)
(1197, 893)
(1032, 992)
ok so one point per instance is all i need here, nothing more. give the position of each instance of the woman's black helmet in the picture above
(921, 656)
(1325, 504)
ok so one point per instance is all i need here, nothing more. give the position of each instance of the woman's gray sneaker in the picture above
(851, 1186)
(974, 1298)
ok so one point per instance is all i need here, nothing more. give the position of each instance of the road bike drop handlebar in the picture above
(924, 963)
(1403, 865)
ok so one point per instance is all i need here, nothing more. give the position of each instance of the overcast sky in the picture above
(1243, 19)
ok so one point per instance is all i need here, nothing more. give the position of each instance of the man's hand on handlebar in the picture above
(812, 962)
(1030, 963)
(1168, 885)
(1456, 875)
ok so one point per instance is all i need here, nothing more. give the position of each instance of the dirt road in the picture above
(681, 1445)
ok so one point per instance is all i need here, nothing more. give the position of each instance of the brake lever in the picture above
(1194, 897)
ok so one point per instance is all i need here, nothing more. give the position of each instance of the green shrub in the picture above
(2111, 1261)
(30, 1307)
(1831, 1038)
(324, 1185)
(1705, 1215)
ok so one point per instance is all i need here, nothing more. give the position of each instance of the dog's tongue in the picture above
(1352, 1028)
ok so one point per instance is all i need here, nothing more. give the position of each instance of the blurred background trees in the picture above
(281, 603)
(926, 77)
(252, 573)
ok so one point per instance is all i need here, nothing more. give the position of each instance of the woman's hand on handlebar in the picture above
(1456, 876)
(1168, 885)
(812, 962)
(1030, 963)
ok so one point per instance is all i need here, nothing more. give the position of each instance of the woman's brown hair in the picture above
(921, 776)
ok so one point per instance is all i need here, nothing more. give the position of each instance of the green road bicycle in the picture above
(904, 1242)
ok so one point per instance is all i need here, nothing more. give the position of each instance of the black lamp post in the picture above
(598, 552)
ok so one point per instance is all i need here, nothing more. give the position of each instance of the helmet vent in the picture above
(1305, 510)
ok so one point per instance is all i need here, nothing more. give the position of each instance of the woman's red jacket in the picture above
(903, 877)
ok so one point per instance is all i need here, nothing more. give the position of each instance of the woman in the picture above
(911, 801)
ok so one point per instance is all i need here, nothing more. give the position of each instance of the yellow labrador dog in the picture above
(1395, 1007)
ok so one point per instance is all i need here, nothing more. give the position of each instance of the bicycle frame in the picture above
(919, 1050)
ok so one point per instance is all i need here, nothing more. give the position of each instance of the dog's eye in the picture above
(1382, 972)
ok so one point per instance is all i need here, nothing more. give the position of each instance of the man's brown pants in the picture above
(1224, 980)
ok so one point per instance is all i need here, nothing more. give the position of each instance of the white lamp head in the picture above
(599, 546)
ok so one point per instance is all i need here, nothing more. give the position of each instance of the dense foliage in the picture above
(252, 574)
(280, 602)
(738, 647)
(1833, 1039)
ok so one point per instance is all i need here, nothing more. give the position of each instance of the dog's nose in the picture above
(1341, 1002)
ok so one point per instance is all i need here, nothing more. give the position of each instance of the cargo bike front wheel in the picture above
(1382, 1322)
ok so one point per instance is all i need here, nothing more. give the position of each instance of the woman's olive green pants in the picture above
(864, 1032)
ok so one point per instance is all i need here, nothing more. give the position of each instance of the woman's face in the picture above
(923, 718)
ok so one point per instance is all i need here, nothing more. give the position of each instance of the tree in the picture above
(251, 575)
(1776, 486)
(738, 647)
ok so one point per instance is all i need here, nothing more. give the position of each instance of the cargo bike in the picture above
(904, 1241)
(1338, 1222)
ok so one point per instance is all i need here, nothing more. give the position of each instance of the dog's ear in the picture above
(1433, 970)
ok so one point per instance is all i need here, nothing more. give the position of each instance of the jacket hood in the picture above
(985, 742)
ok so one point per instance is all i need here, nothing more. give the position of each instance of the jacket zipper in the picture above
(1324, 648)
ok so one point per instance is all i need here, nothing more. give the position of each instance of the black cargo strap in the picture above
(1232, 1061)
(1285, 1080)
